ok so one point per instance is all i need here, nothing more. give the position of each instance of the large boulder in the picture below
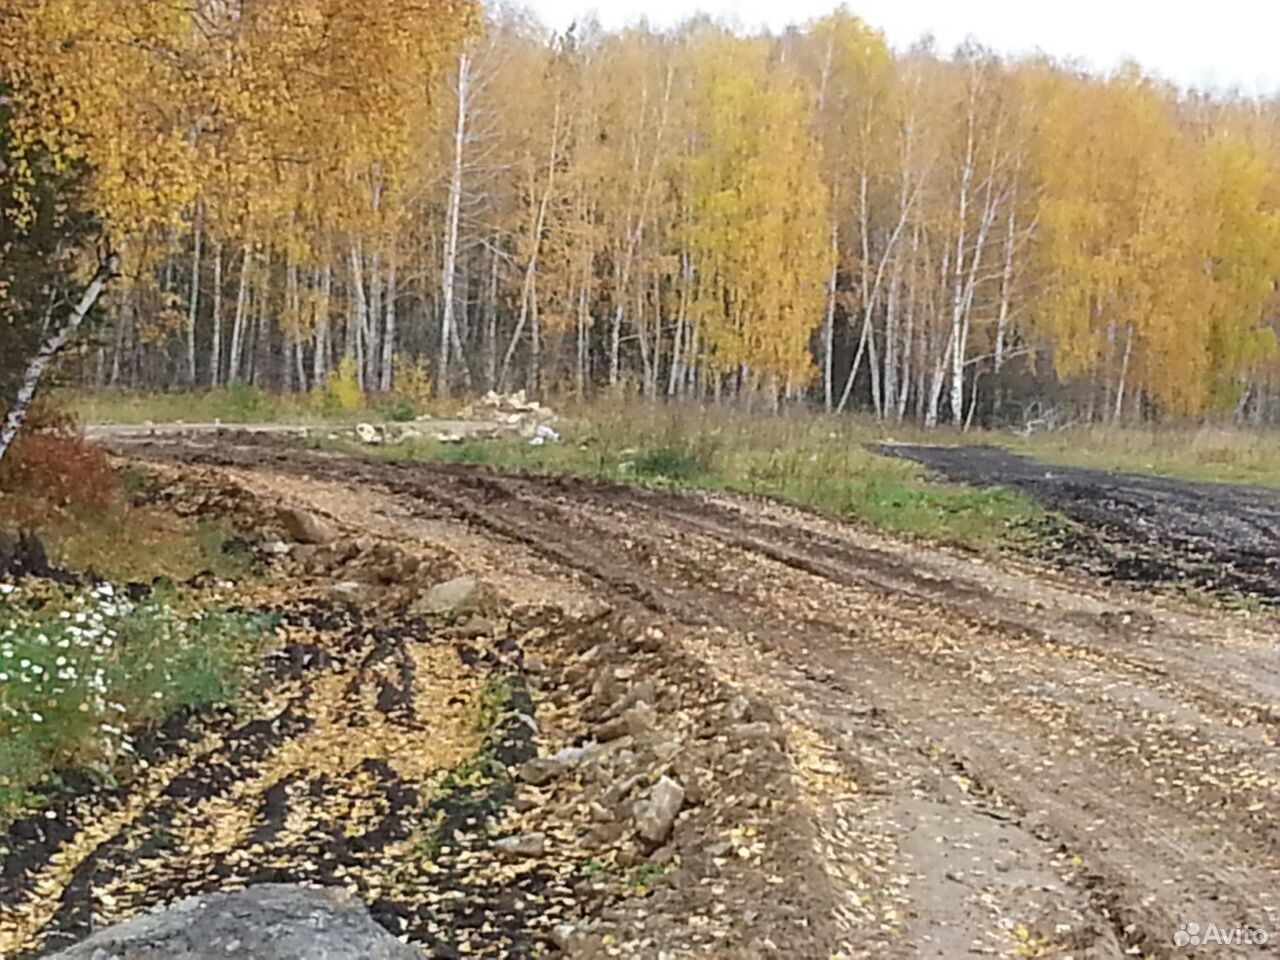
(268, 922)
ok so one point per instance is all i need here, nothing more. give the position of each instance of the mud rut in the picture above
(302, 792)
(1001, 761)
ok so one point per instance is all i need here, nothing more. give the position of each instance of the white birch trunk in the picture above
(389, 330)
(452, 215)
(49, 348)
(237, 327)
(215, 347)
(194, 299)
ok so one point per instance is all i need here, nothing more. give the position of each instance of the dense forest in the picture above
(295, 192)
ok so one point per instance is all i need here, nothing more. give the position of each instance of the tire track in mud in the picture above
(1140, 528)
(931, 699)
(330, 783)
(1160, 817)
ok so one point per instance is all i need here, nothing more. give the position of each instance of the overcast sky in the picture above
(1208, 43)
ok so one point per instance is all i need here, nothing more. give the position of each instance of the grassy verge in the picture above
(816, 462)
(82, 671)
(239, 403)
(1196, 452)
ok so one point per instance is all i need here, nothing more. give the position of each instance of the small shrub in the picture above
(685, 459)
(76, 684)
(398, 410)
(342, 394)
(245, 402)
(51, 462)
(413, 387)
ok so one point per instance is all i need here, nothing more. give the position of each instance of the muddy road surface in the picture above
(1221, 538)
(988, 757)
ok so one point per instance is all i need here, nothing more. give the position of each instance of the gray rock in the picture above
(350, 591)
(305, 527)
(475, 628)
(760, 731)
(268, 922)
(640, 719)
(542, 770)
(656, 814)
(523, 845)
(460, 595)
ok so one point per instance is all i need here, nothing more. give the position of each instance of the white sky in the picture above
(1202, 43)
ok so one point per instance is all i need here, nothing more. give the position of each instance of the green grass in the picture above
(82, 672)
(816, 462)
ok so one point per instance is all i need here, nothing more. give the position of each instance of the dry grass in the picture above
(1194, 451)
(819, 462)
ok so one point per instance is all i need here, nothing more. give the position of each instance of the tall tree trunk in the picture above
(1124, 374)
(491, 322)
(389, 331)
(356, 334)
(452, 215)
(49, 348)
(320, 359)
(237, 327)
(829, 322)
(373, 320)
(957, 298)
(193, 301)
(215, 349)
(1006, 294)
(531, 268)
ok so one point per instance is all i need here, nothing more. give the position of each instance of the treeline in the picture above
(694, 213)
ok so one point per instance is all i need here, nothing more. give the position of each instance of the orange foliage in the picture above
(50, 462)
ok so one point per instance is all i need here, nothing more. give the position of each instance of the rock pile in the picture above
(669, 791)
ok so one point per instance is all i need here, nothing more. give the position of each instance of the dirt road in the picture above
(994, 759)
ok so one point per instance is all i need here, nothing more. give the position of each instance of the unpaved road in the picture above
(1139, 528)
(997, 760)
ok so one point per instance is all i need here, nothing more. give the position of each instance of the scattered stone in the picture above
(352, 592)
(523, 845)
(542, 770)
(562, 935)
(760, 731)
(368, 433)
(475, 628)
(600, 813)
(641, 718)
(460, 595)
(305, 527)
(656, 814)
(268, 922)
